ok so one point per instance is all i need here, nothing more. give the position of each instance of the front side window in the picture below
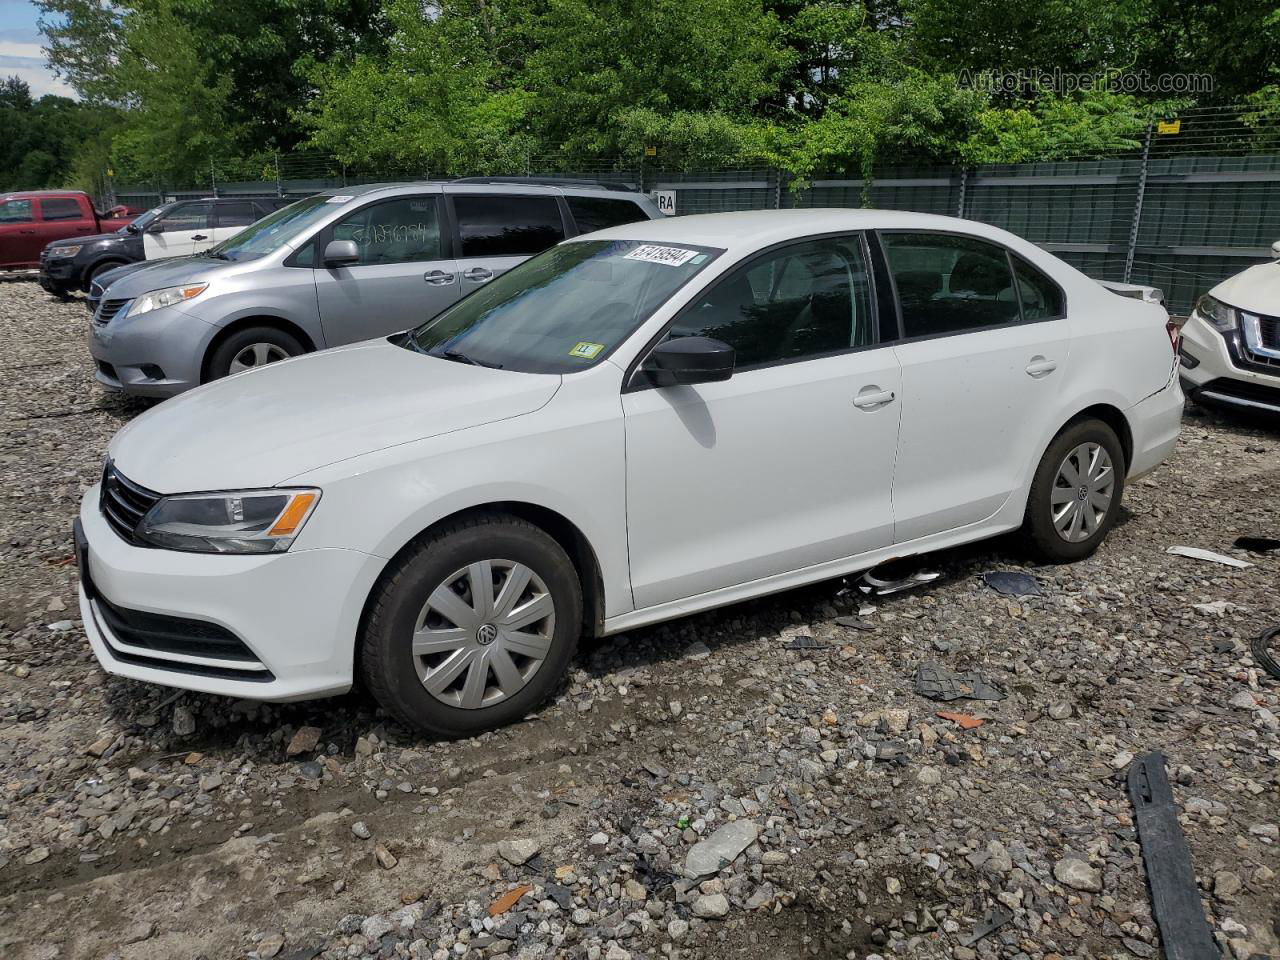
(404, 230)
(800, 301)
(16, 211)
(237, 213)
(565, 310)
(59, 208)
(184, 218)
(599, 213)
(512, 226)
(1040, 297)
(950, 284)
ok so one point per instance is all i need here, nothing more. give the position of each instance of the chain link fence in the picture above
(1195, 201)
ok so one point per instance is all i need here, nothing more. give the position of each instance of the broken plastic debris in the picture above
(1012, 584)
(1195, 553)
(1258, 544)
(992, 920)
(890, 577)
(938, 683)
(804, 642)
(964, 721)
(856, 623)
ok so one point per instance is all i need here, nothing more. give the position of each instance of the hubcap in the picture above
(483, 633)
(1082, 492)
(257, 355)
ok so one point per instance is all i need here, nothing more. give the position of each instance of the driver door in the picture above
(185, 230)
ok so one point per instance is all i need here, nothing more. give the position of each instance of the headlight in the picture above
(237, 521)
(1217, 314)
(166, 297)
(60, 252)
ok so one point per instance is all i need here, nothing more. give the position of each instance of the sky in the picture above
(20, 51)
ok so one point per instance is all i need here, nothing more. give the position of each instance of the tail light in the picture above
(1175, 335)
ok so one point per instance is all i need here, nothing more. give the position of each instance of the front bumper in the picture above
(58, 273)
(1213, 372)
(295, 614)
(157, 354)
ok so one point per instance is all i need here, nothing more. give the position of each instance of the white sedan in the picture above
(636, 425)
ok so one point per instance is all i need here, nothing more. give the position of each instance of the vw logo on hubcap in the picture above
(486, 634)
(1084, 493)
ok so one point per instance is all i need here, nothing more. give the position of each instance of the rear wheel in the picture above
(473, 628)
(1076, 493)
(251, 348)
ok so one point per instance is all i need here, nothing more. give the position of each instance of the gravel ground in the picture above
(851, 820)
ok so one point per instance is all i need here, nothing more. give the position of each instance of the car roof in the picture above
(511, 186)
(23, 194)
(753, 229)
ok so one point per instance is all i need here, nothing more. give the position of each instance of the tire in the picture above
(404, 603)
(98, 269)
(1040, 530)
(263, 345)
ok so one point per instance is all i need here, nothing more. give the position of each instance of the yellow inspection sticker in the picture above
(586, 351)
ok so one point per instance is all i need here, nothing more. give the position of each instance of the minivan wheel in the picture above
(473, 627)
(1076, 493)
(251, 348)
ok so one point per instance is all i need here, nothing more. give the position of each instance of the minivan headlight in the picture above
(233, 521)
(1217, 314)
(166, 297)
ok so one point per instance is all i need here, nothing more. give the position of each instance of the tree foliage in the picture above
(452, 86)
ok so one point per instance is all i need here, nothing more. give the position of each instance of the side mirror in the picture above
(688, 360)
(339, 253)
(1275, 249)
(155, 226)
(132, 228)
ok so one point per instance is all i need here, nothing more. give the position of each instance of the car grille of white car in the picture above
(123, 502)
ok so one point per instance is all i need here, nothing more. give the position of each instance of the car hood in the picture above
(135, 279)
(79, 240)
(260, 428)
(1256, 290)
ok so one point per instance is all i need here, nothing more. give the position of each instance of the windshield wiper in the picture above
(457, 356)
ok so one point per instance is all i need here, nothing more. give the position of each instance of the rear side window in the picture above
(597, 213)
(1041, 298)
(804, 300)
(237, 213)
(59, 208)
(950, 284)
(495, 226)
(15, 211)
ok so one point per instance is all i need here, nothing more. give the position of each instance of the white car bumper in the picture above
(274, 627)
(1209, 371)
(1155, 423)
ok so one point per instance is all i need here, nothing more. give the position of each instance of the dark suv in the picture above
(177, 229)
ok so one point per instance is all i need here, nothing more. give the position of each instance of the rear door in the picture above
(184, 230)
(232, 216)
(497, 231)
(404, 277)
(62, 217)
(981, 368)
(20, 244)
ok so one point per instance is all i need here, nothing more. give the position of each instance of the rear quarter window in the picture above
(599, 213)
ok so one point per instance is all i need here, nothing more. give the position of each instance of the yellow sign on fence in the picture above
(1169, 126)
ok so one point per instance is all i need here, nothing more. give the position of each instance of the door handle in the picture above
(438, 277)
(871, 397)
(199, 236)
(1039, 366)
(26, 231)
(478, 274)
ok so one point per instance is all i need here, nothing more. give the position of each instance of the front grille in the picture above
(123, 502)
(161, 633)
(1270, 328)
(108, 309)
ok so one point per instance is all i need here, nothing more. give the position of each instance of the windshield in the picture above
(273, 231)
(140, 222)
(564, 310)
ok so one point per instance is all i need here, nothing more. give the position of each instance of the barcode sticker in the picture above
(668, 256)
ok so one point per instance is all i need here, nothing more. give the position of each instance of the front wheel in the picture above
(251, 348)
(1075, 496)
(474, 627)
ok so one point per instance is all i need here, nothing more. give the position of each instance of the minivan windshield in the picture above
(564, 310)
(273, 231)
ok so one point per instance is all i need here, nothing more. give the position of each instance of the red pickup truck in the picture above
(30, 220)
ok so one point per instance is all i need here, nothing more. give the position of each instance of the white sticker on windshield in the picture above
(669, 256)
(340, 198)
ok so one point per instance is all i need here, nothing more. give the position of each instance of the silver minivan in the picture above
(331, 269)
